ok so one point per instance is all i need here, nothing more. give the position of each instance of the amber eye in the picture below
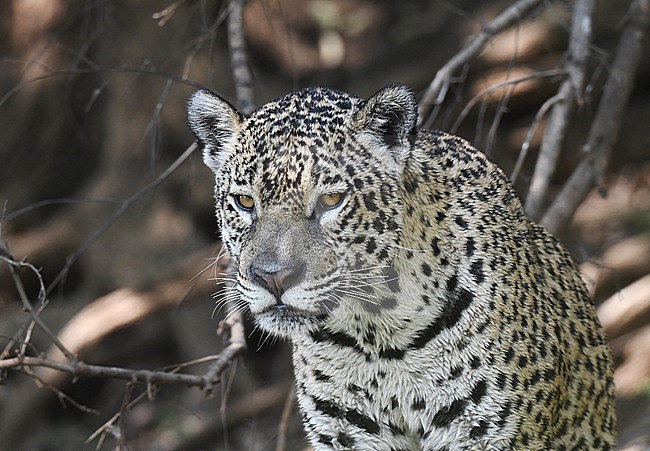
(330, 200)
(246, 203)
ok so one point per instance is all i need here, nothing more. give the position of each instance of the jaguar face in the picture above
(307, 192)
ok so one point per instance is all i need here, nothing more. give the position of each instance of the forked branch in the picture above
(607, 123)
(437, 90)
(569, 96)
(212, 377)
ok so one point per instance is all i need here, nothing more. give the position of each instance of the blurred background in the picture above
(92, 114)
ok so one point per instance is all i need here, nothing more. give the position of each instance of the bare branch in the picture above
(108, 427)
(437, 90)
(51, 73)
(23, 329)
(570, 93)
(525, 146)
(13, 265)
(236, 347)
(63, 398)
(509, 84)
(606, 125)
(119, 427)
(281, 442)
(81, 369)
(124, 206)
(44, 203)
(165, 295)
(254, 405)
(239, 57)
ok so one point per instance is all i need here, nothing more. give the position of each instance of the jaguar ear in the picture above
(215, 122)
(389, 119)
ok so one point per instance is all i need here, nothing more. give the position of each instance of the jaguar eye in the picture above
(330, 200)
(244, 202)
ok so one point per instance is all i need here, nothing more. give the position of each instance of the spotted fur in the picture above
(426, 312)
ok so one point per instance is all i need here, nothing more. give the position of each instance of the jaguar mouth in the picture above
(286, 313)
(286, 320)
(282, 309)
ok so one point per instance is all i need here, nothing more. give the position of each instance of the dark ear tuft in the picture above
(215, 122)
(390, 116)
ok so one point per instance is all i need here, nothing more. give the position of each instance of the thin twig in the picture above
(27, 339)
(607, 122)
(124, 206)
(18, 283)
(525, 146)
(208, 35)
(226, 390)
(509, 84)
(63, 398)
(19, 333)
(501, 110)
(179, 366)
(437, 90)
(239, 57)
(52, 73)
(108, 426)
(570, 92)
(283, 427)
(44, 203)
(119, 427)
(236, 347)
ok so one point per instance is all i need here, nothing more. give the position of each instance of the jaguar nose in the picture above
(278, 279)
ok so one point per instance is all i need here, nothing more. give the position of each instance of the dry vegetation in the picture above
(108, 250)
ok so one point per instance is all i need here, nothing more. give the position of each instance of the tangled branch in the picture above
(607, 123)
(124, 206)
(72, 366)
(437, 90)
(207, 382)
(568, 97)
